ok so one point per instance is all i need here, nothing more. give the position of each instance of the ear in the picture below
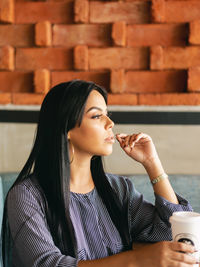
(68, 135)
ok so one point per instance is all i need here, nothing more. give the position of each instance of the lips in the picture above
(110, 139)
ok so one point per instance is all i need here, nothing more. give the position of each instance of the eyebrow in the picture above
(94, 108)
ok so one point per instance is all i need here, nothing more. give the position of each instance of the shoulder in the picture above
(27, 192)
(121, 184)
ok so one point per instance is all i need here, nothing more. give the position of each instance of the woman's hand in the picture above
(140, 147)
(165, 254)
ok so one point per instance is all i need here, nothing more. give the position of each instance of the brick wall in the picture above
(145, 52)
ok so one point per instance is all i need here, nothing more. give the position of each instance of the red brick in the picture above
(131, 12)
(122, 99)
(119, 33)
(16, 81)
(169, 99)
(81, 57)
(156, 58)
(81, 11)
(117, 81)
(41, 81)
(118, 58)
(181, 58)
(194, 36)
(7, 11)
(7, 58)
(43, 33)
(5, 98)
(17, 35)
(44, 58)
(158, 11)
(27, 99)
(33, 12)
(82, 34)
(157, 34)
(102, 78)
(155, 81)
(182, 11)
(194, 79)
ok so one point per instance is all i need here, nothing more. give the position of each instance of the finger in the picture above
(127, 140)
(121, 135)
(132, 140)
(123, 139)
(178, 264)
(183, 257)
(180, 246)
(120, 138)
(139, 136)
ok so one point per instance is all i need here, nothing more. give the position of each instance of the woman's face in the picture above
(95, 135)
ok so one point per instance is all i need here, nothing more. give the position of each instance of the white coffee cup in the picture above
(186, 228)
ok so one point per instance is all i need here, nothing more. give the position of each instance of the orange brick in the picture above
(43, 33)
(156, 58)
(122, 99)
(7, 58)
(33, 12)
(155, 81)
(44, 58)
(169, 99)
(17, 35)
(41, 81)
(182, 11)
(5, 98)
(118, 58)
(82, 34)
(27, 99)
(7, 11)
(130, 12)
(194, 36)
(99, 77)
(16, 81)
(81, 57)
(158, 11)
(119, 33)
(194, 79)
(81, 11)
(117, 81)
(157, 34)
(181, 58)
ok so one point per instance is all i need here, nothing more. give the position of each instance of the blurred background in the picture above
(146, 53)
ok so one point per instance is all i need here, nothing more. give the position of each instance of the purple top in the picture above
(96, 235)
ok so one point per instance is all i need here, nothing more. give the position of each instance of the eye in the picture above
(98, 116)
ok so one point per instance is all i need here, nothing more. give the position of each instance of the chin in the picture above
(108, 152)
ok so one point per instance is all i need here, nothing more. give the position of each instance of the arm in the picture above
(32, 241)
(163, 188)
(160, 254)
(33, 244)
(140, 147)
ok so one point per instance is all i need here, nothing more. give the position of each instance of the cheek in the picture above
(88, 136)
(93, 134)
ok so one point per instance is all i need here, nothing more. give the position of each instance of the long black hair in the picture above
(62, 110)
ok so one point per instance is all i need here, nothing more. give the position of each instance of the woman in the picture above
(63, 210)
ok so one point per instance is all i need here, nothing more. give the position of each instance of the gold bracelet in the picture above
(159, 178)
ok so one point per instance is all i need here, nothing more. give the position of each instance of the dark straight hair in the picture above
(62, 110)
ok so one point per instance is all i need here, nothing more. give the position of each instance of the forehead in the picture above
(95, 99)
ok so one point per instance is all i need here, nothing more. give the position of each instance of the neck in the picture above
(81, 178)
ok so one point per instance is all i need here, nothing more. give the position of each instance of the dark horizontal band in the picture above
(119, 117)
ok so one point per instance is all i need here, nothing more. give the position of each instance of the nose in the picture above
(109, 123)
